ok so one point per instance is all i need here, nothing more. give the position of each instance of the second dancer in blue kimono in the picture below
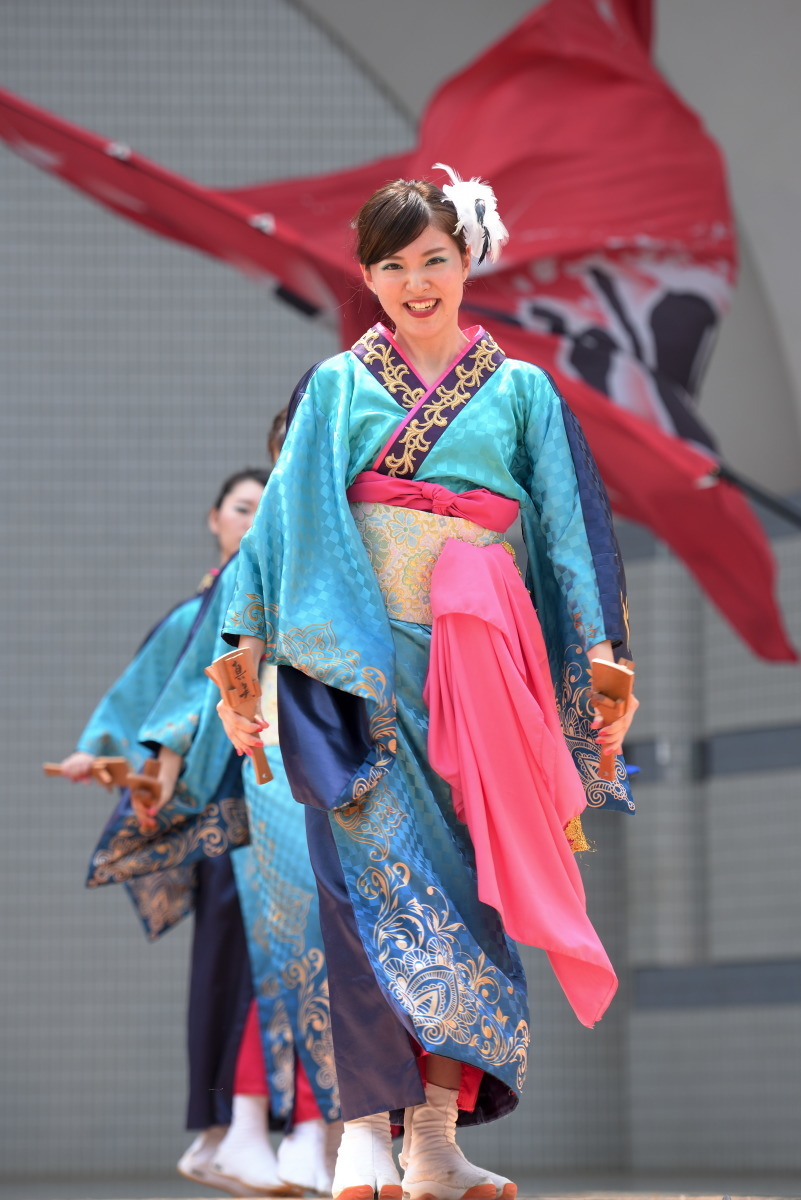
(187, 869)
(434, 721)
(278, 897)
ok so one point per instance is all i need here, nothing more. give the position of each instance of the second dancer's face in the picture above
(420, 288)
(230, 522)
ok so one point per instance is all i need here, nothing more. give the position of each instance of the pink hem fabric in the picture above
(495, 737)
(250, 1076)
(481, 506)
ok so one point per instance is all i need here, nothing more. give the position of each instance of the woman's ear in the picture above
(367, 276)
(213, 521)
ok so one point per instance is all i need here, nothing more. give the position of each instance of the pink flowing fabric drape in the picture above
(495, 737)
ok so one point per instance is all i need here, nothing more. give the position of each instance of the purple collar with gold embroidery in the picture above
(429, 410)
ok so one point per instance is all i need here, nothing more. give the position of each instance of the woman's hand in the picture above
(611, 737)
(78, 767)
(242, 732)
(150, 794)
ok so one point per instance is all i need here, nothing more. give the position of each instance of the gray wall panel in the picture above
(743, 692)
(754, 846)
(719, 1089)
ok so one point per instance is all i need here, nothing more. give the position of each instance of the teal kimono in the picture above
(414, 957)
(159, 871)
(184, 867)
(163, 896)
(275, 883)
(113, 726)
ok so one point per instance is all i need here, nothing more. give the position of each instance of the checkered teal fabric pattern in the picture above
(113, 726)
(278, 895)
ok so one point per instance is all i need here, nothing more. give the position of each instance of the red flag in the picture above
(618, 270)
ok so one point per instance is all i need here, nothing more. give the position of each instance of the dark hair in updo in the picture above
(277, 435)
(257, 474)
(397, 214)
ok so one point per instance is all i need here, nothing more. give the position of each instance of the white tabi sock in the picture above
(202, 1150)
(245, 1152)
(365, 1165)
(434, 1166)
(303, 1156)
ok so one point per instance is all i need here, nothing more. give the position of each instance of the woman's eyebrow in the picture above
(424, 253)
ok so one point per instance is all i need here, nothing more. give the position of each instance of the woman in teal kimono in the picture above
(290, 1019)
(190, 871)
(377, 568)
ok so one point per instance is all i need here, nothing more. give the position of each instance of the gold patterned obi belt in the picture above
(404, 545)
(405, 523)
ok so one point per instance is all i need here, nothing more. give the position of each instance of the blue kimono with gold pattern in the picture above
(275, 882)
(415, 960)
(160, 882)
(159, 870)
(184, 867)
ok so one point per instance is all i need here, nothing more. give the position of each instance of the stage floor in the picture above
(618, 1187)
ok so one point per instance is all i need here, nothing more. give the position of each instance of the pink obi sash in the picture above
(480, 505)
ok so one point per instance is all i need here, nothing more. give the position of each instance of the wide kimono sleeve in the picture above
(574, 574)
(574, 556)
(184, 717)
(306, 587)
(113, 727)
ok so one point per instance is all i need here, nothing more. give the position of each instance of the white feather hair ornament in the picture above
(477, 212)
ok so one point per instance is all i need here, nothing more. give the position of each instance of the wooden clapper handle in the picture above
(146, 780)
(612, 685)
(240, 690)
(107, 771)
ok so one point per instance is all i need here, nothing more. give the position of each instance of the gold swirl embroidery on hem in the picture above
(280, 1067)
(414, 441)
(131, 854)
(373, 821)
(308, 975)
(163, 899)
(449, 995)
(252, 617)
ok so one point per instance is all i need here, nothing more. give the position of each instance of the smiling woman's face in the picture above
(420, 288)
